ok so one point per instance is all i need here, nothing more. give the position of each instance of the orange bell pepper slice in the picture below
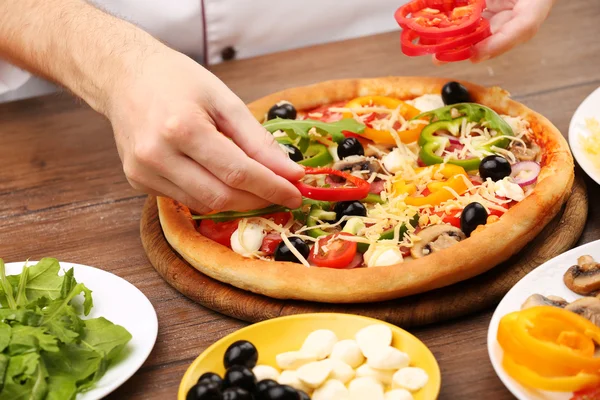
(455, 179)
(385, 137)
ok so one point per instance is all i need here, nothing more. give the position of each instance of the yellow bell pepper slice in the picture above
(455, 179)
(385, 137)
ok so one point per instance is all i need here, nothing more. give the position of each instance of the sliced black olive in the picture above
(349, 208)
(494, 167)
(303, 395)
(241, 352)
(205, 391)
(240, 376)
(350, 147)
(472, 216)
(283, 253)
(454, 93)
(237, 394)
(263, 386)
(282, 110)
(294, 153)
(282, 392)
(209, 377)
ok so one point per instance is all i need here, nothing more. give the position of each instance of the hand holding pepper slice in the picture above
(384, 137)
(359, 191)
(548, 348)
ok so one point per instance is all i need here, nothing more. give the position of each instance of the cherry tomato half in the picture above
(220, 232)
(333, 253)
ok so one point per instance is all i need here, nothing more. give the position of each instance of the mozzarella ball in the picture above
(383, 376)
(373, 337)
(365, 388)
(331, 390)
(410, 378)
(294, 359)
(249, 241)
(348, 352)
(263, 372)
(314, 373)
(388, 358)
(399, 394)
(290, 378)
(320, 343)
(340, 370)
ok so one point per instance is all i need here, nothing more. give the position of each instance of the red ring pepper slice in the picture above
(460, 54)
(432, 46)
(440, 18)
(358, 192)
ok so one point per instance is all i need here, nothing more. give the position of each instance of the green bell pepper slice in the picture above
(389, 234)
(442, 120)
(317, 155)
(317, 213)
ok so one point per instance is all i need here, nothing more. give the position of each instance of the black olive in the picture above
(282, 392)
(282, 110)
(241, 352)
(209, 377)
(294, 153)
(494, 167)
(303, 395)
(263, 386)
(240, 376)
(350, 147)
(472, 216)
(236, 394)
(454, 93)
(205, 391)
(350, 208)
(283, 253)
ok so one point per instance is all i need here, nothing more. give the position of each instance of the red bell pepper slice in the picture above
(440, 18)
(432, 46)
(460, 54)
(359, 191)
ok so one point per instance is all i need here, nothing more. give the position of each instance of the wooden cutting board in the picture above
(482, 292)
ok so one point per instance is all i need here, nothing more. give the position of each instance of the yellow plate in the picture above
(283, 334)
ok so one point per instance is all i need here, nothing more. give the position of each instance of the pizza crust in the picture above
(471, 257)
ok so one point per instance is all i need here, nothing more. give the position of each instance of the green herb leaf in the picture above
(105, 337)
(5, 335)
(61, 387)
(25, 378)
(300, 128)
(27, 339)
(7, 287)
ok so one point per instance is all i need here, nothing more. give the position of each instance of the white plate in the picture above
(123, 304)
(546, 280)
(590, 108)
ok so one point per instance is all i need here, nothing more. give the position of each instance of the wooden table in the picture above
(63, 194)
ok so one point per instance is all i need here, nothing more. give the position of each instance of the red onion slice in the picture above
(525, 173)
(356, 262)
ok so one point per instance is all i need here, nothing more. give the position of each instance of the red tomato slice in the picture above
(333, 253)
(270, 243)
(587, 394)
(280, 218)
(220, 232)
(326, 115)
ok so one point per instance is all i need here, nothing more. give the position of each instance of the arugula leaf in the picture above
(21, 299)
(27, 339)
(73, 361)
(25, 378)
(295, 128)
(61, 387)
(105, 337)
(4, 359)
(43, 280)
(5, 335)
(7, 287)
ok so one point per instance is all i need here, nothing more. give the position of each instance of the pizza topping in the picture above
(293, 152)
(436, 238)
(350, 147)
(283, 109)
(508, 189)
(292, 249)
(316, 155)
(525, 173)
(358, 191)
(247, 239)
(333, 252)
(455, 93)
(350, 209)
(495, 168)
(383, 255)
(471, 217)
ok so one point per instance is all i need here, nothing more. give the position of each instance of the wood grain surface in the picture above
(463, 298)
(63, 193)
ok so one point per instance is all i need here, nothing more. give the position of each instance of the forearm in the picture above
(74, 44)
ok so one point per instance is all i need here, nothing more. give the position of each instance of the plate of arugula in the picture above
(69, 331)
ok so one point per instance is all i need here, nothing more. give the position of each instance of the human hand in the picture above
(167, 115)
(513, 22)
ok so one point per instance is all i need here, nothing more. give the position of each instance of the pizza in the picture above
(411, 184)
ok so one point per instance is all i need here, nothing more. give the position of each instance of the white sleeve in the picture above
(11, 77)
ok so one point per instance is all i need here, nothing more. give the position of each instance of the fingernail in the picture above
(293, 202)
(298, 169)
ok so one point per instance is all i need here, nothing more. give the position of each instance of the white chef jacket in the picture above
(213, 31)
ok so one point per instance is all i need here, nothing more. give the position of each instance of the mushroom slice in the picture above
(523, 153)
(357, 163)
(538, 300)
(588, 307)
(435, 238)
(584, 278)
